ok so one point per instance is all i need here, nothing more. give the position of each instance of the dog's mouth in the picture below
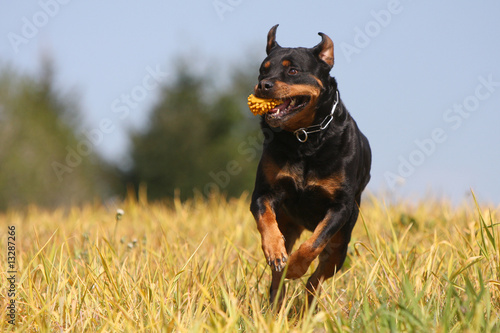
(289, 106)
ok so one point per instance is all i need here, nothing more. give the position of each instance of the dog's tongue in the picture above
(281, 107)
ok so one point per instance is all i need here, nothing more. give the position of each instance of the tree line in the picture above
(199, 140)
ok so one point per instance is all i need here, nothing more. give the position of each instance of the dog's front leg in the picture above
(300, 260)
(273, 242)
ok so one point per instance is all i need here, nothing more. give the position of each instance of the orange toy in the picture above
(260, 106)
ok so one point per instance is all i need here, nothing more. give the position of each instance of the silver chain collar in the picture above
(302, 134)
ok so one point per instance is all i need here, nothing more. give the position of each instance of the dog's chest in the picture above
(306, 195)
(295, 178)
(299, 178)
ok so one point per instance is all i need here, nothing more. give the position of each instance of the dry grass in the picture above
(198, 266)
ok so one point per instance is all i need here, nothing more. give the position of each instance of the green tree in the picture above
(37, 135)
(199, 138)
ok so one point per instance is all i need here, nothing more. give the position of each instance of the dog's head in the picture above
(297, 76)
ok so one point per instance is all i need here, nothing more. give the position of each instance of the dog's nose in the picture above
(265, 85)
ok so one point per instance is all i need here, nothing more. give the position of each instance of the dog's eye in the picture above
(293, 71)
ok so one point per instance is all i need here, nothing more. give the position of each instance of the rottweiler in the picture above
(314, 166)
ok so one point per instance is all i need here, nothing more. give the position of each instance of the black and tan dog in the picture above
(313, 168)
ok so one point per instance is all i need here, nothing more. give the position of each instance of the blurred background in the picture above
(101, 98)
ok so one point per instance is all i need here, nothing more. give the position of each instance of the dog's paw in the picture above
(275, 253)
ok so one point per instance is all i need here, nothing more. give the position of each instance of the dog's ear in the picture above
(271, 39)
(324, 50)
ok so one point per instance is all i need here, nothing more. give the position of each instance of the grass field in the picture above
(198, 267)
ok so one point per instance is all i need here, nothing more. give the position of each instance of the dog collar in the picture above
(302, 134)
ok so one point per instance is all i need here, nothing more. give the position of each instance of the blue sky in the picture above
(421, 78)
